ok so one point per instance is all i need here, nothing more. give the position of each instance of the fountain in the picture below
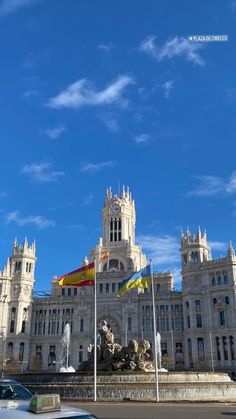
(66, 351)
(158, 343)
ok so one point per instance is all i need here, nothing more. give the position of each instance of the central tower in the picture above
(118, 235)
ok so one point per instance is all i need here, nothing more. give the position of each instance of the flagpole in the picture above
(155, 334)
(95, 331)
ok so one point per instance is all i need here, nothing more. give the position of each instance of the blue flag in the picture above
(141, 279)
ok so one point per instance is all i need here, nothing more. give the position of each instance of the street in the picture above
(160, 411)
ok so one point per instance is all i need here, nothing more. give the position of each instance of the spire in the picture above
(6, 270)
(199, 233)
(188, 232)
(181, 234)
(230, 250)
(123, 191)
(25, 244)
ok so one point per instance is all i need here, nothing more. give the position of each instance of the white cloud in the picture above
(10, 6)
(174, 47)
(41, 172)
(105, 47)
(82, 93)
(164, 253)
(55, 132)
(31, 93)
(213, 185)
(142, 139)
(215, 245)
(112, 125)
(97, 167)
(167, 86)
(77, 227)
(37, 220)
(162, 250)
(88, 199)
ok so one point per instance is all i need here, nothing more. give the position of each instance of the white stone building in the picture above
(197, 325)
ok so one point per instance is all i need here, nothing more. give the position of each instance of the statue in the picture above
(112, 356)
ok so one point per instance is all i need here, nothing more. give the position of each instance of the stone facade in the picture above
(197, 325)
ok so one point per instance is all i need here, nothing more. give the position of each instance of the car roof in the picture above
(9, 382)
(21, 409)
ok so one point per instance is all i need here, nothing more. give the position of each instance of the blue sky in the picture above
(96, 93)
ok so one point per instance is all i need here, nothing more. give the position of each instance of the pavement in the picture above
(136, 410)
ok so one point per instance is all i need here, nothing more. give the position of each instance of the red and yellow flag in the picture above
(105, 255)
(80, 277)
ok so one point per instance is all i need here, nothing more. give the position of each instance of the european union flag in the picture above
(141, 279)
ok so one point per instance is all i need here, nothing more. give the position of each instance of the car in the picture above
(17, 399)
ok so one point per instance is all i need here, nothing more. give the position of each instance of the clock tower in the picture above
(118, 235)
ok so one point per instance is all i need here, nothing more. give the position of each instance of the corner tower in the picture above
(118, 235)
(194, 248)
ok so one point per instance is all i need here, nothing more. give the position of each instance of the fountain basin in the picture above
(173, 386)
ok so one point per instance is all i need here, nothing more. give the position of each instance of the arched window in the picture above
(189, 344)
(27, 267)
(200, 346)
(10, 350)
(81, 325)
(231, 340)
(225, 348)
(218, 348)
(21, 352)
(80, 353)
(194, 257)
(12, 326)
(114, 265)
(30, 266)
(23, 327)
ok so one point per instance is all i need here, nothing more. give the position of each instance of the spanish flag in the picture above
(140, 279)
(80, 277)
(105, 255)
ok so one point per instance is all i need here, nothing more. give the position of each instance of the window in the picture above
(27, 267)
(12, 326)
(225, 279)
(199, 320)
(158, 287)
(81, 325)
(225, 348)
(101, 288)
(213, 281)
(21, 352)
(177, 323)
(231, 341)
(129, 324)
(162, 325)
(194, 257)
(200, 345)
(54, 311)
(113, 287)
(23, 327)
(187, 304)
(188, 322)
(75, 291)
(226, 300)
(218, 348)
(107, 288)
(189, 345)
(52, 355)
(115, 229)
(198, 304)
(49, 328)
(53, 328)
(30, 266)
(80, 353)
(10, 350)
(40, 328)
(69, 292)
(222, 318)
(63, 292)
(214, 301)
(219, 280)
